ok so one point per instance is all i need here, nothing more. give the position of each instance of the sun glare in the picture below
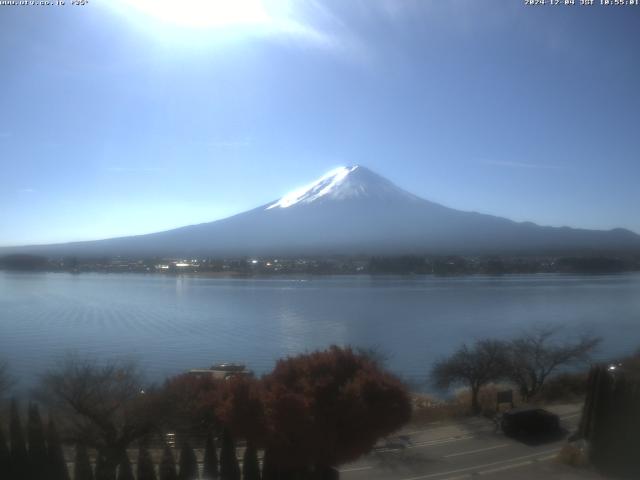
(203, 13)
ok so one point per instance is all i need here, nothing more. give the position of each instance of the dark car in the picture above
(529, 421)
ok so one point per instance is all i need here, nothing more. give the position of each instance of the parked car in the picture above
(529, 421)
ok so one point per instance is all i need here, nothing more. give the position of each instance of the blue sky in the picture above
(133, 116)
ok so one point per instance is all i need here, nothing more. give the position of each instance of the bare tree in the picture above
(473, 366)
(536, 355)
(103, 406)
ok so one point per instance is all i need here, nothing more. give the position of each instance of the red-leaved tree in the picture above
(190, 403)
(329, 407)
(240, 408)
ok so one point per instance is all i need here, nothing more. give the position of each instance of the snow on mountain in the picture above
(340, 184)
(351, 210)
(325, 185)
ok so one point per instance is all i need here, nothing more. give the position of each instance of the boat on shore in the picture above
(222, 371)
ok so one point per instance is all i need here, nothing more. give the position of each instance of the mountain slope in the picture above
(352, 210)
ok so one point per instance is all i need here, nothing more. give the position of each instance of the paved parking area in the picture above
(468, 449)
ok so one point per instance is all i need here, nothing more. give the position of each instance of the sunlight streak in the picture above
(203, 13)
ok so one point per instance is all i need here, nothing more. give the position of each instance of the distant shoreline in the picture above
(294, 276)
(451, 265)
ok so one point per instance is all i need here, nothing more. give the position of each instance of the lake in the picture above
(174, 323)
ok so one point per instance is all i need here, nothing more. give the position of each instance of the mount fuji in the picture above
(351, 210)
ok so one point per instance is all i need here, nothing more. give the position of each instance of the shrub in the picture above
(330, 407)
(566, 387)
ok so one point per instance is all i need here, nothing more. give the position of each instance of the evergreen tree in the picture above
(57, 465)
(37, 445)
(82, 466)
(18, 457)
(4, 456)
(250, 465)
(100, 466)
(145, 465)
(168, 465)
(124, 469)
(229, 468)
(188, 463)
(210, 470)
(104, 470)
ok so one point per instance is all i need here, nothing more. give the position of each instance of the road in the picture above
(468, 449)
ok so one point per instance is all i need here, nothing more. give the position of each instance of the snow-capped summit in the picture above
(325, 185)
(342, 183)
(350, 210)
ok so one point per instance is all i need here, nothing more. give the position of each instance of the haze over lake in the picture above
(173, 323)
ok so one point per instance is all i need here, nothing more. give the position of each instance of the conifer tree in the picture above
(146, 470)
(103, 472)
(188, 463)
(210, 470)
(229, 468)
(4, 455)
(250, 465)
(37, 446)
(82, 466)
(57, 465)
(168, 465)
(18, 457)
(124, 469)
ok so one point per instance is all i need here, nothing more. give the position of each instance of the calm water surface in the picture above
(172, 324)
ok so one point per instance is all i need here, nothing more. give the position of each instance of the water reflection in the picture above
(176, 323)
